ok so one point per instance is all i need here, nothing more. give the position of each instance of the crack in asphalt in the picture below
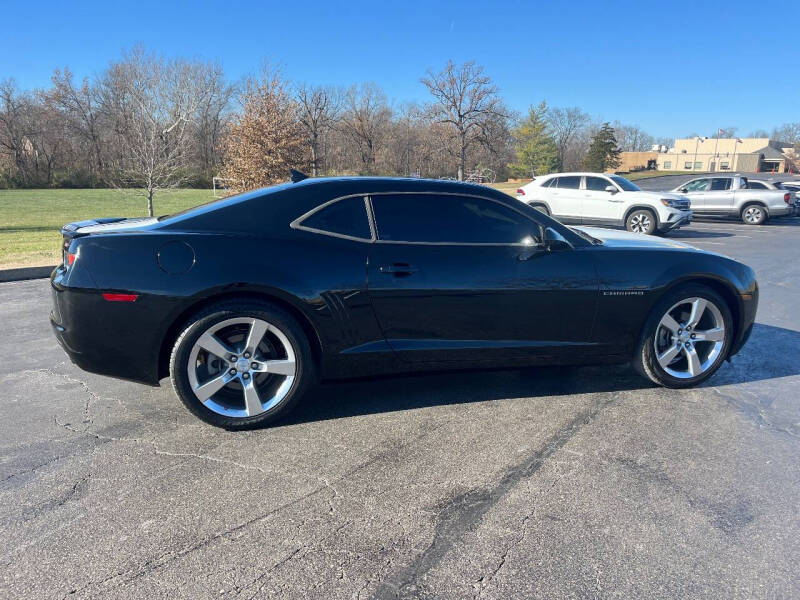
(728, 517)
(753, 412)
(166, 558)
(467, 509)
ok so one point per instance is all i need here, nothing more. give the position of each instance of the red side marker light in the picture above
(520, 192)
(120, 297)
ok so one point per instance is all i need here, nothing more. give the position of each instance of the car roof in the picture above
(576, 174)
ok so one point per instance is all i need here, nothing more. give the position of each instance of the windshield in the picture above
(626, 185)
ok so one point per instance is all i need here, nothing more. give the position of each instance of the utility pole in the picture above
(697, 143)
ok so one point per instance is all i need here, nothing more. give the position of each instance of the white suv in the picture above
(598, 199)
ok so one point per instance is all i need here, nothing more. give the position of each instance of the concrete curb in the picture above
(24, 273)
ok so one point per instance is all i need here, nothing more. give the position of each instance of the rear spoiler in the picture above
(70, 229)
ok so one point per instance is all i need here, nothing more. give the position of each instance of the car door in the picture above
(455, 278)
(566, 190)
(719, 198)
(600, 206)
(696, 190)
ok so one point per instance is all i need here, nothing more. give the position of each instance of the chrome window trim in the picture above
(297, 223)
(376, 232)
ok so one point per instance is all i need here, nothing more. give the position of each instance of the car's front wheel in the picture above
(641, 221)
(241, 364)
(686, 338)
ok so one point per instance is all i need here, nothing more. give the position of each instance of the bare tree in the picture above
(788, 133)
(14, 127)
(365, 122)
(267, 139)
(153, 100)
(632, 138)
(570, 131)
(319, 109)
(82, 113)
(213, 115)
(467, 100)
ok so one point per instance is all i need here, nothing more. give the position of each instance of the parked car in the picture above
(794, 186)
(610, 200)
(730, 196)
(247, 301)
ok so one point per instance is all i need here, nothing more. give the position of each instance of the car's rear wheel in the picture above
(241, 364)
(641, 221)
(754, 214)
(686, 338)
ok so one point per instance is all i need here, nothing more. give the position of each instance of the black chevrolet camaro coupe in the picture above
(246, 302)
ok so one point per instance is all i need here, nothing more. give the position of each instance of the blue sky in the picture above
(672, 68)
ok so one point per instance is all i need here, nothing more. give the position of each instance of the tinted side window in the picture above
(345, 217)
(573, 182)
(454, 219)
(756, 185)
(596, 184)
(553, 182)
(720, 183)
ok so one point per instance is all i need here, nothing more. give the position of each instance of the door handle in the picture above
(398, 269)
(615, 200)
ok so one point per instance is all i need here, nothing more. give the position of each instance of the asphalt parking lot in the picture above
(541, 483)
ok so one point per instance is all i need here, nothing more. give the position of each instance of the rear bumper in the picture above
(108, 338)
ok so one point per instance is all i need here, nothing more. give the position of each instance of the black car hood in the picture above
(614, 238)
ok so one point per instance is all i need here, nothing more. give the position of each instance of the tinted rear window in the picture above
(344, 217)
(571, 183)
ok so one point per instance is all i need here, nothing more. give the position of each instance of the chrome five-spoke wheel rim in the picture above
(242, 367)
(640, 223)
(752, 214)
(689, 338)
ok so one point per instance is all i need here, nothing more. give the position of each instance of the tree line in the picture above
(151, 122)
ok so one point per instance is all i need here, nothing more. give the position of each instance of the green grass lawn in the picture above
(31, 220)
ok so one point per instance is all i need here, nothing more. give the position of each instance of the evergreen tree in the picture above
(536, 149)
(603, 155)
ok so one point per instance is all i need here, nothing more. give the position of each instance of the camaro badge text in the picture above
(623, 293)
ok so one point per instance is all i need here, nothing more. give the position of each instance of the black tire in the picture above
(641, 221)
(304, 378)
(645, 360)
(753, 214)
(541, 208)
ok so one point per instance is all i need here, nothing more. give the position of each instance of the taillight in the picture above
(520, 192)
(787, 198)
(120, 297)
(71, 258)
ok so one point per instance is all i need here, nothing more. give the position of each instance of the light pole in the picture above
(733, 163)
(716, 143)
(697, 143)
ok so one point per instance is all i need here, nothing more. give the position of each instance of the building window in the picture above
(667, 164)
(698, 165)
(687, 165)
(724, 165)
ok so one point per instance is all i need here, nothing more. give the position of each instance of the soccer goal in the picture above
(222, 185)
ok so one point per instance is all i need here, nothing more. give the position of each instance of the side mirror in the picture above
(553, 242)
(683, 190)
(557, 245)
(611, 189)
